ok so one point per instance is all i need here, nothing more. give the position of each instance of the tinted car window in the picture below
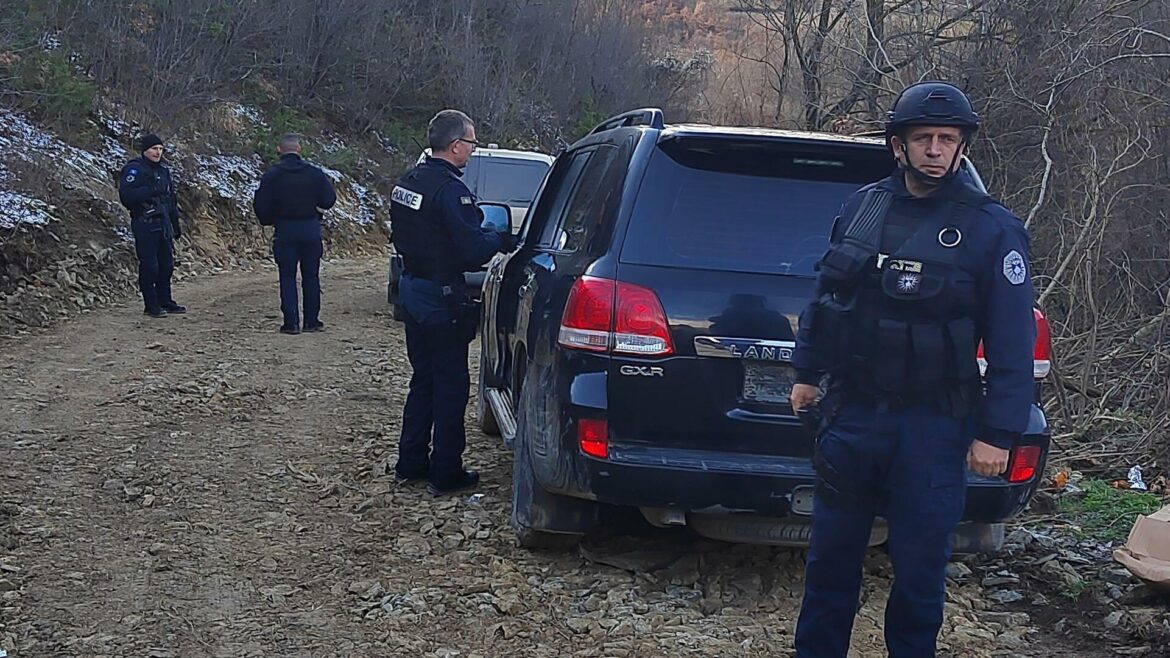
(551, 208)
(591, 201)
(511, 181)
(765, 209)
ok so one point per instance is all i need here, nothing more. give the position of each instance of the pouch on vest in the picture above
(891, 356)
(961, 336)
(929, 348)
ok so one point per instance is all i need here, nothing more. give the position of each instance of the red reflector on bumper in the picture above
(593, 435)
(1022, 466)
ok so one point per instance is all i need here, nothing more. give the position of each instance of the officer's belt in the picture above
(949, 399)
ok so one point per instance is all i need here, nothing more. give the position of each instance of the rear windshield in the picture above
(506, 180)
(744, 206)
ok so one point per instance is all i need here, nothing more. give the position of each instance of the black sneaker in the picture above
(320, 326)
(174, 308)
(155, 312)
(292, 331)
(462, 482)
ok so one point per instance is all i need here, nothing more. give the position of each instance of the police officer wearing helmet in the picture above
(922, 266)
(146, 189)
(436, 228)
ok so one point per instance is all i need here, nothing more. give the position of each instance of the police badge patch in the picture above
(908, 283)
(1014, 269)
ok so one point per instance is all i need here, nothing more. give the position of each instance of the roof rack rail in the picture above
(647, 116)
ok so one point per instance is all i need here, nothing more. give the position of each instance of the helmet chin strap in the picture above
(925, 178)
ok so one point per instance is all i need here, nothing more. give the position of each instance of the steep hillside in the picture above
(65, 243)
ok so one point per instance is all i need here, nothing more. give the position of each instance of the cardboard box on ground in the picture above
(1147, 551)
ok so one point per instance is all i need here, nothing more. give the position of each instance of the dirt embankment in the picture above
(65, 242)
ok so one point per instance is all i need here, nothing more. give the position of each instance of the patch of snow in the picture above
(246, 112)
(366, 200)
(334, 145)
(230, 176)
(17, 209)
(116, 126)
(20, 138)
(333, 174)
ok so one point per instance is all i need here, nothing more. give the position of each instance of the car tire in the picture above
(531, 502)
(483, 410)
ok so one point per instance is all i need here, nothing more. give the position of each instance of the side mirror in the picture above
(496, 216)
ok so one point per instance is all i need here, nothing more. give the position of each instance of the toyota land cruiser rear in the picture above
(636, 347)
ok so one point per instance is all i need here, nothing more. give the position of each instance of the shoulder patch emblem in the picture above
(466, 200)
(412, 200)
(1014, 269)
(131, 174)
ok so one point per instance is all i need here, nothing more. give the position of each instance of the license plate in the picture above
(767, 383)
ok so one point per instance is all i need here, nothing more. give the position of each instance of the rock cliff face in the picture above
(65, 242)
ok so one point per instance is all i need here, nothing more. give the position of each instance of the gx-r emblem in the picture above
(641, 371)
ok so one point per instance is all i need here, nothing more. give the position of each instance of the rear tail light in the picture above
(593, 437)
(1023, 463)
(1041, 351)
(613, 316)
(588, 316)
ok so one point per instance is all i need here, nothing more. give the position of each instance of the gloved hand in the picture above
(507, 243)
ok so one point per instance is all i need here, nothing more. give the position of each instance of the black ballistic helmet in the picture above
(932, 104)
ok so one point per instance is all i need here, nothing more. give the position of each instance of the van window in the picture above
(509, 180)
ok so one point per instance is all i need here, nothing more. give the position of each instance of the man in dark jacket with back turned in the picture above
(145, 188)
(292, 195)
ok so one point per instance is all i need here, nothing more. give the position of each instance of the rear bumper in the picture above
(712, 482)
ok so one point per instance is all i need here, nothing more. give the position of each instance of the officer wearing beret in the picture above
(146, 189)
(922, 266)
(437, 230)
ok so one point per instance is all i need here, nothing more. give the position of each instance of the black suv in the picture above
(635, 348)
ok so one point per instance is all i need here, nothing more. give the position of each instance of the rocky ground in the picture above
(204, 486)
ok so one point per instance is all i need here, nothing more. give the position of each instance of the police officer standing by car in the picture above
(291, 196)
(922, 266)
(436, 226)
(146, 189)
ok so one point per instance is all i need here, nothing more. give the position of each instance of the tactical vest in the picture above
(416, 232)
(901, 328)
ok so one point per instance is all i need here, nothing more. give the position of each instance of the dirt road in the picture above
(204, 486)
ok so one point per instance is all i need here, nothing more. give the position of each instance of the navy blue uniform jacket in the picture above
(292, 190)
(997, 256)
